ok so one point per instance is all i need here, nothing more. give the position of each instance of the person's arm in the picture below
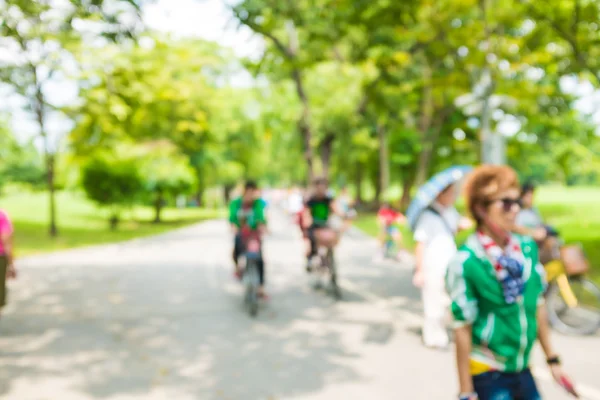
(544, 331)
(261, 218)
(400, 218)
(544, 337)
(538, 234)
(422, 235)
(464, 223)
(335, 208)
(306, 214)
(233, 218)
(464, 308)
(463, 340)
(419, 253)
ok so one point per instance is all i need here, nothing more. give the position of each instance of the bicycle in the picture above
(573, 301)
(326, 264)
(251, 277)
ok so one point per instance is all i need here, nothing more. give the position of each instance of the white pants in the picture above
(435, 312)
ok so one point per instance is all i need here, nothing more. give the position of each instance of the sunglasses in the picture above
(507, 203)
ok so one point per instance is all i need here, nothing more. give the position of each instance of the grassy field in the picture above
(575, 212)
(81, 223)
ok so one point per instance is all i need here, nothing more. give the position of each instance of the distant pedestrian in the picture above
(7, 267)
(435, 233)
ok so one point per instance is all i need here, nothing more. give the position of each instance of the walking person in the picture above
(435, 237)
(7, 267)
(496, 285)
(435, 222)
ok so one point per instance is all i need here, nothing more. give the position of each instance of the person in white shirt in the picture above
(435, 234)
(295, 202)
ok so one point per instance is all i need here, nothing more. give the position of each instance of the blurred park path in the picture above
(162, 318)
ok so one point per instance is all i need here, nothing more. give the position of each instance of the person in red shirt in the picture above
(389, 219)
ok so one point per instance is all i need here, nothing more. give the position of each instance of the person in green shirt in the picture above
(247, 216)
(496, 285)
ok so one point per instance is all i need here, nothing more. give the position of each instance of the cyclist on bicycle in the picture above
(530, 223)
(389, 220)
(318, 208)
(247, 217)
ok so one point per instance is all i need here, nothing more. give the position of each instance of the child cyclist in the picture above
(389, 221)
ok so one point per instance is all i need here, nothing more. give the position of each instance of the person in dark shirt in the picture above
(318, 208)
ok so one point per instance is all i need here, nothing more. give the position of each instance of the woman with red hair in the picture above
(496, 285)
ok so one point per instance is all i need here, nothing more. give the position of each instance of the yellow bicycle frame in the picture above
(555, 271)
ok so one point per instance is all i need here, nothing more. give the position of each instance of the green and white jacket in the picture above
(503, 334)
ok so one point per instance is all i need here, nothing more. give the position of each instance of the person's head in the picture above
(448, 196)
(250, 191)
(527, 192)
(321, 185)
(493, 196)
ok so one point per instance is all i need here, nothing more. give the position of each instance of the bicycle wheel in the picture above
(574, 305)
(335, 289)
(389, 249)
(251, 283)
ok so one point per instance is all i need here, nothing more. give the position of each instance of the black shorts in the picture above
(315, 227)
(238, 250)
(311, 235)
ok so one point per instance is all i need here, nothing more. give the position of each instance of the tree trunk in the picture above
(378, 188)
(199, 197)
(427, 111)
(158, 206)
(290, 52)
(113, 222)
(407, 186)
(51, 162)
(326, 149)
(384, 164)
(40, 111)
(493, 147)
(304, 123)
(493, 150)
(227, 189)
(429, 146)
(358, 182)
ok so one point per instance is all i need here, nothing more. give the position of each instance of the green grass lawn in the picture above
(81, 223)
(575, 212)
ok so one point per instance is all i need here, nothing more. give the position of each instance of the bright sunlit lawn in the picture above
(575, 212)
(81, 223)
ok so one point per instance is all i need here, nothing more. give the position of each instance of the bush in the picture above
(114, 184)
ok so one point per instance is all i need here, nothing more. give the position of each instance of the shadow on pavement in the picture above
(118, 332)
(161, 318)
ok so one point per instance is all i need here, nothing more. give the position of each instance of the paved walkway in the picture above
(162, 318)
